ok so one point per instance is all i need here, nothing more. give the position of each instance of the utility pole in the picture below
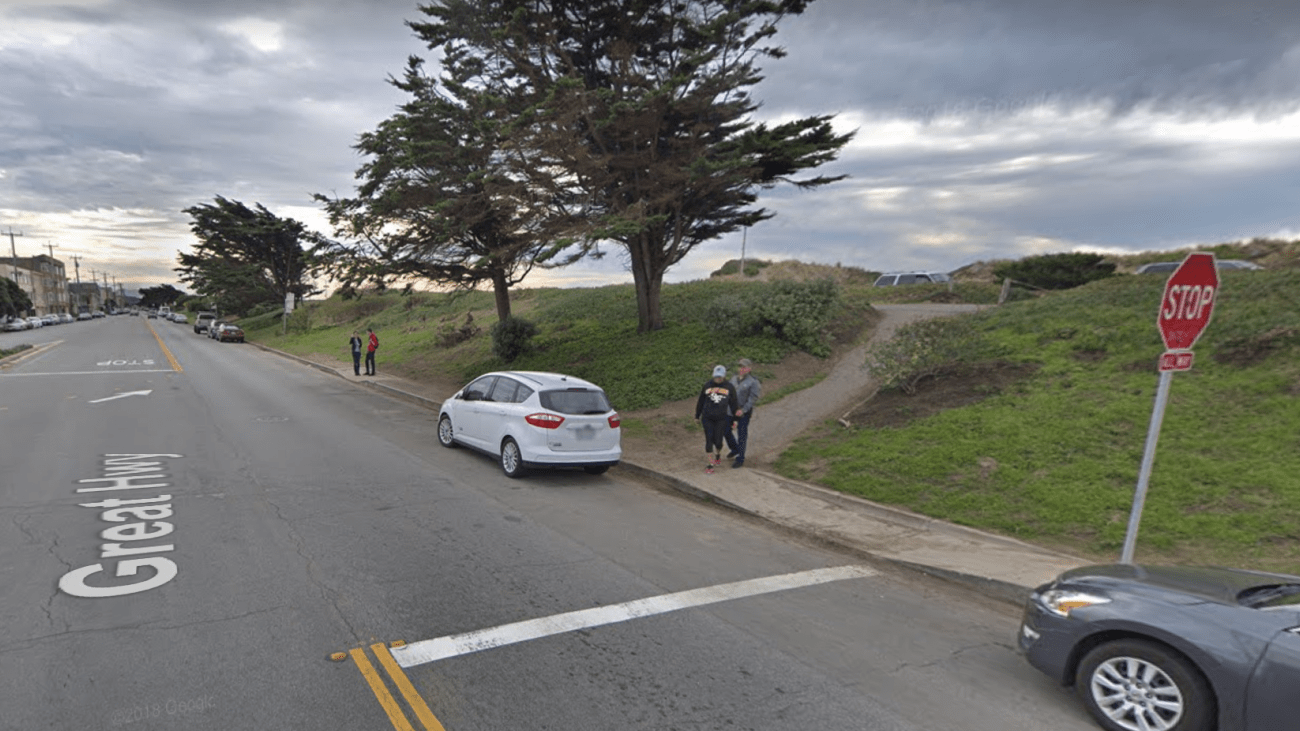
(744, 234)
(59, 282)
(76, 264)
(13, 252)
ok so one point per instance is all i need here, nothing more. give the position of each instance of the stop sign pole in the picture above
(1184, 312)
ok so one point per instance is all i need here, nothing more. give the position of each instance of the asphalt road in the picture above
(189, 530)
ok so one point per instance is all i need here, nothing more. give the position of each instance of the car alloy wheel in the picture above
(512, 462)
(446, 437)
(1136, 685)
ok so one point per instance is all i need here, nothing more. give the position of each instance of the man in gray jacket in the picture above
(748, 391)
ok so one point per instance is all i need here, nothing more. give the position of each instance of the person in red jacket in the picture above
(370, 351)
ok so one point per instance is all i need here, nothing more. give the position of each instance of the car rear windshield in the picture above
(575, 401)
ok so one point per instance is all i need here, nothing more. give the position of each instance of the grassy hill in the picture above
(1041, 438)
(1052, 457)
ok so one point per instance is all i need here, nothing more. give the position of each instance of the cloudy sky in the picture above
(986, 129)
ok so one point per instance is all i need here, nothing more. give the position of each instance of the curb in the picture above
(994, 588)
(396, 392)
(15, 358)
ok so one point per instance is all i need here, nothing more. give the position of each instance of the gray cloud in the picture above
(987, 128)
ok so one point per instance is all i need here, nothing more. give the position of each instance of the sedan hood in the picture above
(1211, 583)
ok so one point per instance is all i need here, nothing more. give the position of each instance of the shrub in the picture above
(795, 312)
(512, 337)
(922, 349)
(733, 314)
(1057, 271)
(752, 267)
(798, 312)
(451, 335)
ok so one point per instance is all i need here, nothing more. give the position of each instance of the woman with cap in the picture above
(715, 409)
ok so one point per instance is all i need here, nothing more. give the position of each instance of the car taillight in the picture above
(614, 421)
(545, 421)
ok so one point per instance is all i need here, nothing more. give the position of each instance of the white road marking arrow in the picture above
(122, 395)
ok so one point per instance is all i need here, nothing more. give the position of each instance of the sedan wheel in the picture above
(1135, 685)
(512, 462)
(446, 437)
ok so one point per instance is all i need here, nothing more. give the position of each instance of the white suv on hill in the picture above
(894, 279)
(531, 419)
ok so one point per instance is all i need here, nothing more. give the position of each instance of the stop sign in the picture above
(1188, 301)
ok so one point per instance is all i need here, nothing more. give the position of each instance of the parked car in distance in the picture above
(227, 331)
(202, 320)
(213, 327)
(894, 279)
(1170, 647)
(17, 324)
(35, 322)
(65, 318)
(97, 314)
(1167, 267)
(85, 316)
(179, 317)
(529, 419)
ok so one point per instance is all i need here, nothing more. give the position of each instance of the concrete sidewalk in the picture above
(1000, 567)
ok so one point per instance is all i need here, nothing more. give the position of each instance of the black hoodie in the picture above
(717, 400)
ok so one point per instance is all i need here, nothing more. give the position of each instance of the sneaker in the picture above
(738, 463)
(708, 470)
(717, 460)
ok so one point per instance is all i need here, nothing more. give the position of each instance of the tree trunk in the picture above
(648, 278)
(501, 288)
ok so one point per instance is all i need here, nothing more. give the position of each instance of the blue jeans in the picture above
(737, 443)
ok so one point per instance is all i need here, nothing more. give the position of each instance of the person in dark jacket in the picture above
(715, 410)
(355, 344)
(748, 390)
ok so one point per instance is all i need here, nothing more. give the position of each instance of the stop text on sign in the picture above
(1187, 302)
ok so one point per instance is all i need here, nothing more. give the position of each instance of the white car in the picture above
(896, 279)
(531, 419)
(35, 322)
(17, 325)
(85, 316)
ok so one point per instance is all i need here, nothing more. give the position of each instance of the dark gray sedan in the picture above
(1170, 648)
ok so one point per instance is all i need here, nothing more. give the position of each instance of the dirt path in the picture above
(674, 438)
(776, 425)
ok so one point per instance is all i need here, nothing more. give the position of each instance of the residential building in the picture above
(44, 280)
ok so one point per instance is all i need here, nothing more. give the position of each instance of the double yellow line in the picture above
(390, 705)
(170, 358)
